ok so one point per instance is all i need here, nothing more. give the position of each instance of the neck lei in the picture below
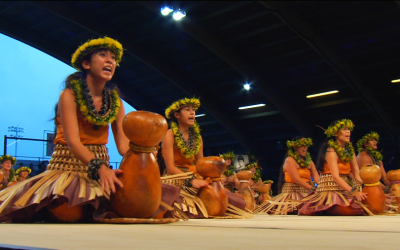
(229, 171)
(11, 175)
(83, 98)
(191, 147)
(375, 155)
(345, 155)
(302, 163)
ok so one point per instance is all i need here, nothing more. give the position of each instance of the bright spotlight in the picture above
(246, 86)
(178, 15)
(166, 10)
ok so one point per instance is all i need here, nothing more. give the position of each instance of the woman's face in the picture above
(372, 144)
(343, 135)
(186, 115)
(301, 151)
(102, 64)
(228, 162)
(6, 165)
(23, 174)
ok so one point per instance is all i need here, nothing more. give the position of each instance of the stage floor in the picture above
(260, 232)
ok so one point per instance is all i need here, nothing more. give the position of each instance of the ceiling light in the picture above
(178, 15)
(394, 81)
(252, 106)
(246, 86)
(166, 10)
(323, 93)
(200, 115)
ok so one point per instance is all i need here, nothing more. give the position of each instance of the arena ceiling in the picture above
(285, 50)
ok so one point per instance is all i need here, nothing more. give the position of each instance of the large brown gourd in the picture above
(264, 190)
(141, 195)
(376, 200)
(248, 196)
(213, 196)
(394, 177)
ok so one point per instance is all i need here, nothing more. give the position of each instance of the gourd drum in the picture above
(394, 177)
(213, 196)
(244, 178)
(376, 200)
(140, 196)
(264, 189)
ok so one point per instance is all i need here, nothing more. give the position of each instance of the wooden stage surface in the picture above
(260, 232)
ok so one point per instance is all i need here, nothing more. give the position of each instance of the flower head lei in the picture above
(91, 45)
(188, 152)
(332, 130)
(88, 113)
(8, 157)
(228, 156)
(195, 102)
(301, 142)
(375, 154)
(21, 169)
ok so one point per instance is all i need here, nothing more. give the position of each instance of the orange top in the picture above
(305, 175)
(87, 134)
(344, 168)
(182, 161)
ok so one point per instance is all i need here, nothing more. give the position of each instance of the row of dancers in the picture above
(78, 181)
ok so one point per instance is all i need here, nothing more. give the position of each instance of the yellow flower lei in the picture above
(332, 130)
(21, 169)
(302, 142)
(195, 102)
(343, 155)
(366, 138)
(87, 113)
(228, 155)
(302, 163)
(375, 155)
(8, 157)
(187, 152)
(91, 45)
(229, 171)
(257, 173)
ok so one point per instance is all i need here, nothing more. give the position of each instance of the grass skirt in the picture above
(330, 194)
(284, 203)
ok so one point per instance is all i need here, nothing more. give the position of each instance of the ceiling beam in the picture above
(239, 64)
(285, 12)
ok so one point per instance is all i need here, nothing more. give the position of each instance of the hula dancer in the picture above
(336, 193)
(23, 173)
(228, 178)
(368, 153)
(255, 180)
(7, 173)
(181, 147)
(295, 175)
(78, 179)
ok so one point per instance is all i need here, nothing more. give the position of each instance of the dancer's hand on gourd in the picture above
(108, 178)
(197, 183)
(361, 196)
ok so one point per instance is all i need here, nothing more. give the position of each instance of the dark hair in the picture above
(322, 150)
(240, 157)
(173, 118)
(161, 162)
(281, 175)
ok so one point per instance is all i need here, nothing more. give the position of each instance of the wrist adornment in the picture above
(93, 168)
(188, 181)
(353, 192)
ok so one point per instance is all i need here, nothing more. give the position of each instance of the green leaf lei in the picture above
(77, 87)
(10, 176)
(256, 176)
(375, 155)
(302, 163)
(229, 171)
(187, 152)
(345, 155)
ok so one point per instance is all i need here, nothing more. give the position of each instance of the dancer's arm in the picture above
(355, 169)
(314, 172)
(290, 166)
(384, 176)
(69, 120)
(120, 138)
(363, 159)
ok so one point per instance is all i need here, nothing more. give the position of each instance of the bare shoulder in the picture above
(330, 150)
